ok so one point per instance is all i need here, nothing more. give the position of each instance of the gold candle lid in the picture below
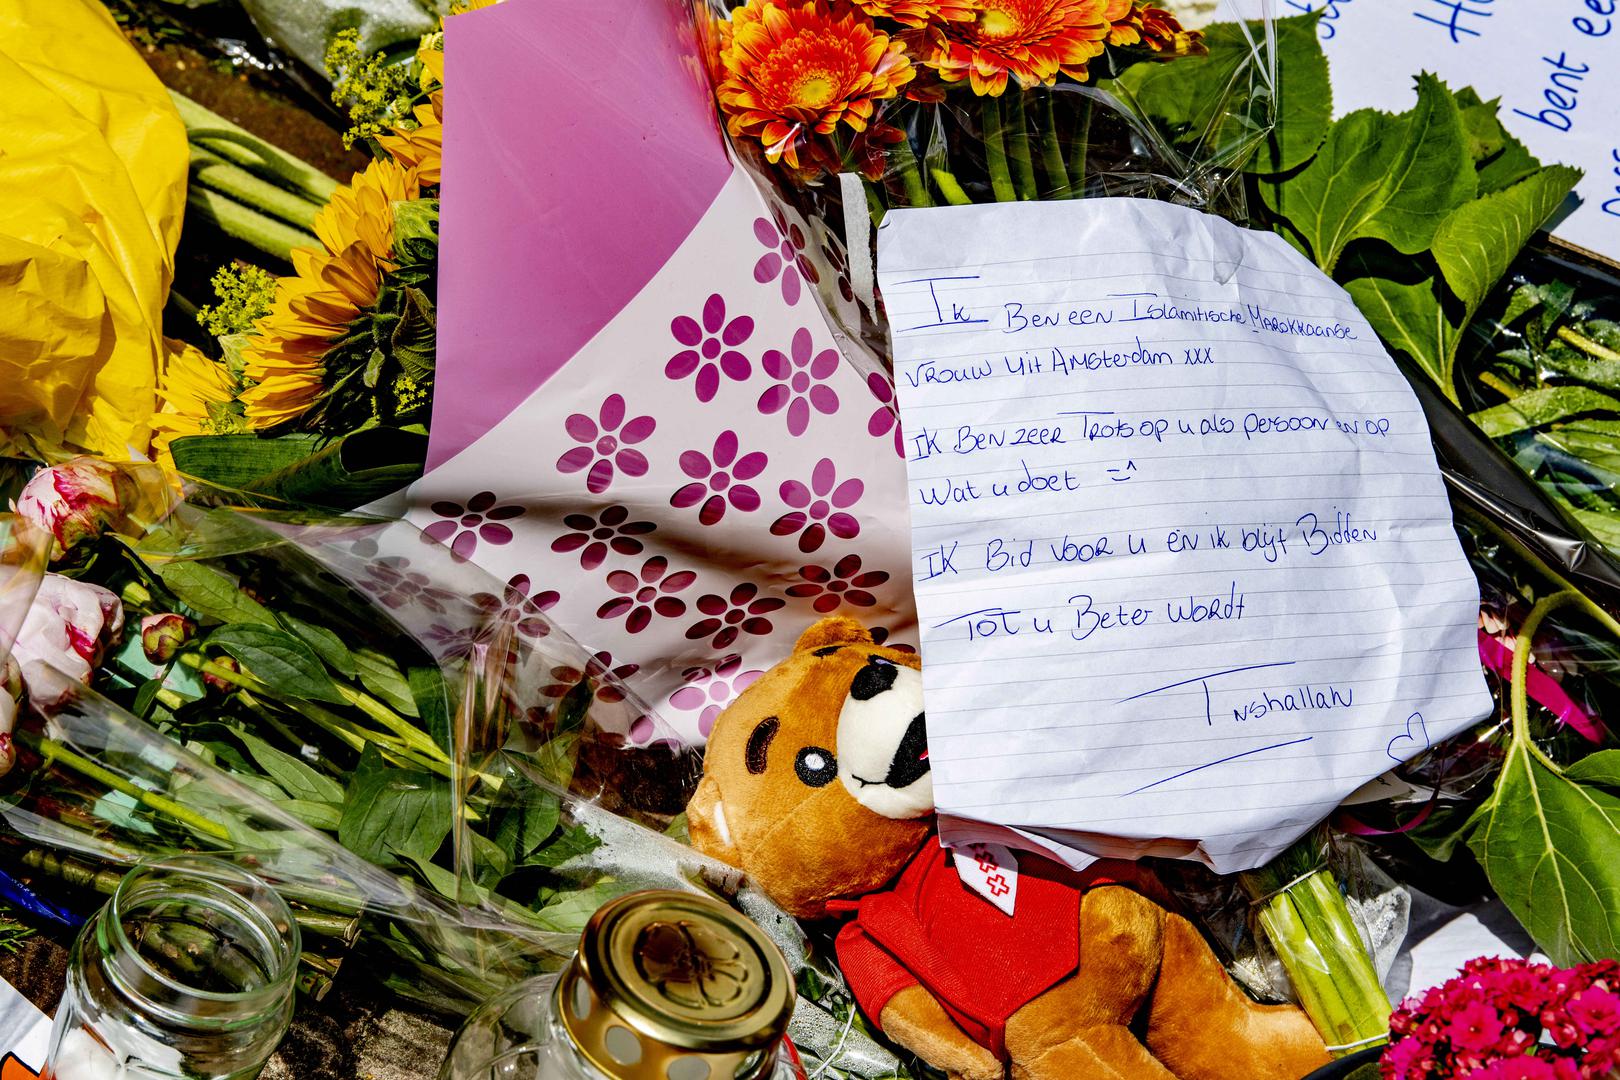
(675, 986)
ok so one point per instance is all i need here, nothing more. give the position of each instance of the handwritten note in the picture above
(1555, 64)
(1185, 569)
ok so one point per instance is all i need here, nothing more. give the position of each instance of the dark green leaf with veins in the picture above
(278, 659)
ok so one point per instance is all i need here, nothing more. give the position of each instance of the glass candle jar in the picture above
(187, 972)
(665, 986)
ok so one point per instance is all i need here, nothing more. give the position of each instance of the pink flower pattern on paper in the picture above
(742, 612)
(840, 266)
(463, 526)
(710, 687)
(819, 508)
(594, 537)
(646, 594)
(715, 479)
(607, 442)
(395, 585)
(887, 415)
(880, 636)
(711, 348)
(517, 608)
(604, 674)
(800, 382)
(845, 583)
(784, 255)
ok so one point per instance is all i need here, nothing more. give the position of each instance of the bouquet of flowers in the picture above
(1510, 1020)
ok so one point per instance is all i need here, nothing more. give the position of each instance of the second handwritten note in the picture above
(1184, 564)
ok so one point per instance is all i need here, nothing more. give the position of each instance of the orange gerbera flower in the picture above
(1162, 32)
(1032, 41)
(316, 305)
(793, 73)
(918, 13)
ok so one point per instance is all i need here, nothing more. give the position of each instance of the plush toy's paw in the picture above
(915, 1020)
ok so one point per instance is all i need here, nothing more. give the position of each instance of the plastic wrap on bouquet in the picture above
(406, 747)
(637, 411)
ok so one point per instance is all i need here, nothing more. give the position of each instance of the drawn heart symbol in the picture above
(1409, 736)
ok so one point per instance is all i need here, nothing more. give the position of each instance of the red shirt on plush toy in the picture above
(816, 782)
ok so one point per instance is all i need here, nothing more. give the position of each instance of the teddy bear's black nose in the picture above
(877, 676)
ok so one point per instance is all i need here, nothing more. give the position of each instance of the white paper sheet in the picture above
(1185, 568)
(1554, 63)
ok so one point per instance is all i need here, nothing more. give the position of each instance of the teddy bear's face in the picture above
(816, 779)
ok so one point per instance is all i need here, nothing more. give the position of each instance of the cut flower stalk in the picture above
(1307, 922)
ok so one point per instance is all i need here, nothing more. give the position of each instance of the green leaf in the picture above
(382, 677)
(236, 461)
(414, 338)
(568, 912)
(1378, 176)
(1412, 320)
(1475, 244)
(442, 881)
(570, 843)
(211, 594)
(388, 813)
(1602, 768)
(317, 815)
(1215, 106)
(1541, 407)
(297, 778)
(523, 826)
(556, 759)
(1547, 844)
(279, 659)
(1605, 528)
(349, 471)
(432, 700)
(327, 645)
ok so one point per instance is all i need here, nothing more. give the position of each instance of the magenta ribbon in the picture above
(1541, 687)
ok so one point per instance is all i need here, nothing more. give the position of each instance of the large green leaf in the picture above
(523, 826)
(235, 461)
(1393, 178)
(295, 777)
(211, 594)
(388, 813)
(383, 678)
(350, 471)
(1477, 241)
(1215, 106)
(1540, 407)
(1547, 842)
(1410, 319)
(279, 659)
(327, 645)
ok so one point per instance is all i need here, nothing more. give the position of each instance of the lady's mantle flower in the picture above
(791, 73)
(714, 480)
(608, 441)
(711, 348)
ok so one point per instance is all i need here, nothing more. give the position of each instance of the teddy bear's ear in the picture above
(834, 630)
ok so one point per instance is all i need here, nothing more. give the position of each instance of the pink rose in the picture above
(75, 501)
(67, 626)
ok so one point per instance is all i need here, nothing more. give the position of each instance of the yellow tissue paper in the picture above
(93, 162)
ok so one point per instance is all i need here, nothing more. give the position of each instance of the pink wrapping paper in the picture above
(641, 420)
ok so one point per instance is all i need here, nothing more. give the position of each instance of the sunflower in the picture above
(918, 13)
(421, 148)
(791, 73)
(1032, 41)
(1162, 32)
(196, 395)
(316, 305)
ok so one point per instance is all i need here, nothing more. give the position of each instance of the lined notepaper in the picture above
(1185, 569)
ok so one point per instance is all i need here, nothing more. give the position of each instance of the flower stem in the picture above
(1052, 153)
(212, 171)
(1018, 148)
(911, 177)
(1522, 644)
(249, 226)
(1077, 152)
(208, 129)
(1588, 346)
(950, 189)
(995, 151)
(54, 751)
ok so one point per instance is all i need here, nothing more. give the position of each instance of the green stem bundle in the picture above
(995, 151)
(1018, 149)
(1304, 916)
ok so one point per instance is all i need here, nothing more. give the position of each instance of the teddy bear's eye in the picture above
(759, 744)
(815, 766)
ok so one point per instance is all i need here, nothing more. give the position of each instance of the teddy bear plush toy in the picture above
(817, 784)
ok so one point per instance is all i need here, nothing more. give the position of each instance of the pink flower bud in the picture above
(67, 626)
(215, 681)
(163, 635)
(75, 501)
